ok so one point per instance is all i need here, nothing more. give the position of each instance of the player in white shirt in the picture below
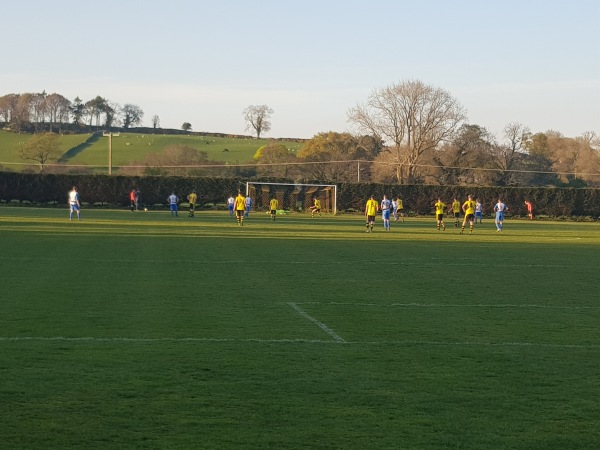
(386, 209)
(500, 208)
(173, 200)
(230, 202)
(248, 205)
(74, 204)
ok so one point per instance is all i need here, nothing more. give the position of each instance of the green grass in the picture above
(130, 147)
(145, 331)
(10, 143)
(133, 147)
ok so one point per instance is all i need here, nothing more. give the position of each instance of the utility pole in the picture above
(110, 136)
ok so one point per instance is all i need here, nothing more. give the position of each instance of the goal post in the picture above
(296, 197)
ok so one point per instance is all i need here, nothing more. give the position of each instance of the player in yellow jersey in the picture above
(273, 207)
(192, 198)
(455, 208)
(316, 207)
(399, 211)
(371, 209)
(469, 209)
(239, 206)
(440, 207)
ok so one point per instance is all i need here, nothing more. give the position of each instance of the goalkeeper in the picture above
(316, 207)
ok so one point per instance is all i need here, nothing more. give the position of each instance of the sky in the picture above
(536, 62)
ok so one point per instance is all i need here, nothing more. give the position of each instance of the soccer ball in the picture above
(145, 209)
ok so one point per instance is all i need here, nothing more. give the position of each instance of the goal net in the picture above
(293, 196)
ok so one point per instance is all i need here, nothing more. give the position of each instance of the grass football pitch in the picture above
(139, 330)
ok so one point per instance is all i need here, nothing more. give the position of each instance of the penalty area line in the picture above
(321, 325)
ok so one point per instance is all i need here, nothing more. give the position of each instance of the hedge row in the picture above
(419, 199)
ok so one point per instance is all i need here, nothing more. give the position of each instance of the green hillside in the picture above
(10, 143)
(133, 147)
(128, 147)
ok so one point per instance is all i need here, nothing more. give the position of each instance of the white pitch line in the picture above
(443, 305)
(321, 325)
(425, 262)
(403, 343)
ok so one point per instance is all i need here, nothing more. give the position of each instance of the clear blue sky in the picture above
(536, 62)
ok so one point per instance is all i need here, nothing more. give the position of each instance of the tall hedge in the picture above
(113, 190)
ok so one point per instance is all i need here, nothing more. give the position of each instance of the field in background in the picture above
(130, 147)
(11, 142)
(139, 330)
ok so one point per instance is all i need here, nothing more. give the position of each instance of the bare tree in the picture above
(155, 122)
(8, 104)
(132, 115)
(21, 114)
(42, 148)
(38, 110)
(456, 161)
(58, 110)
(412, 118)
(507, 155)
(257, 118)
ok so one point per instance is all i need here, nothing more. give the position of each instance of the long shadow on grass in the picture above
(72, 152)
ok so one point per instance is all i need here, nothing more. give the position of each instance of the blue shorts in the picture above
(500, 216)
(74, 207)
(385, 214)
(173, 206)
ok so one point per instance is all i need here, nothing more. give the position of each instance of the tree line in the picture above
(405, 133)
(37, 112)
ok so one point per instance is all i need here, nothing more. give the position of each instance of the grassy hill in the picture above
(10, 143)
(131, 147)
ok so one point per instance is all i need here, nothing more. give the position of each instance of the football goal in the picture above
(293, 196)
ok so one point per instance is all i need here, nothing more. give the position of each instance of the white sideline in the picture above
(425, 262)
(321, 325)
(450, 305)
(405, 343)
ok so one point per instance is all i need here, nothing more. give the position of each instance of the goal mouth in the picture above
(293, 197)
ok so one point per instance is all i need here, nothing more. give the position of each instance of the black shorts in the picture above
(457, 215)
(240, 212)
(370, 218)
(469, 218)
(439, 216)
(273, 212)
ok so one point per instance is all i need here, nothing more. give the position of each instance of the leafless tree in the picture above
(411, 118)
(132, 115)
(155, 122)
(58, 110)
(459, 162)
(38, 110)
(8, 104)
(21, 113)
(257, 118)
(507, 155)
